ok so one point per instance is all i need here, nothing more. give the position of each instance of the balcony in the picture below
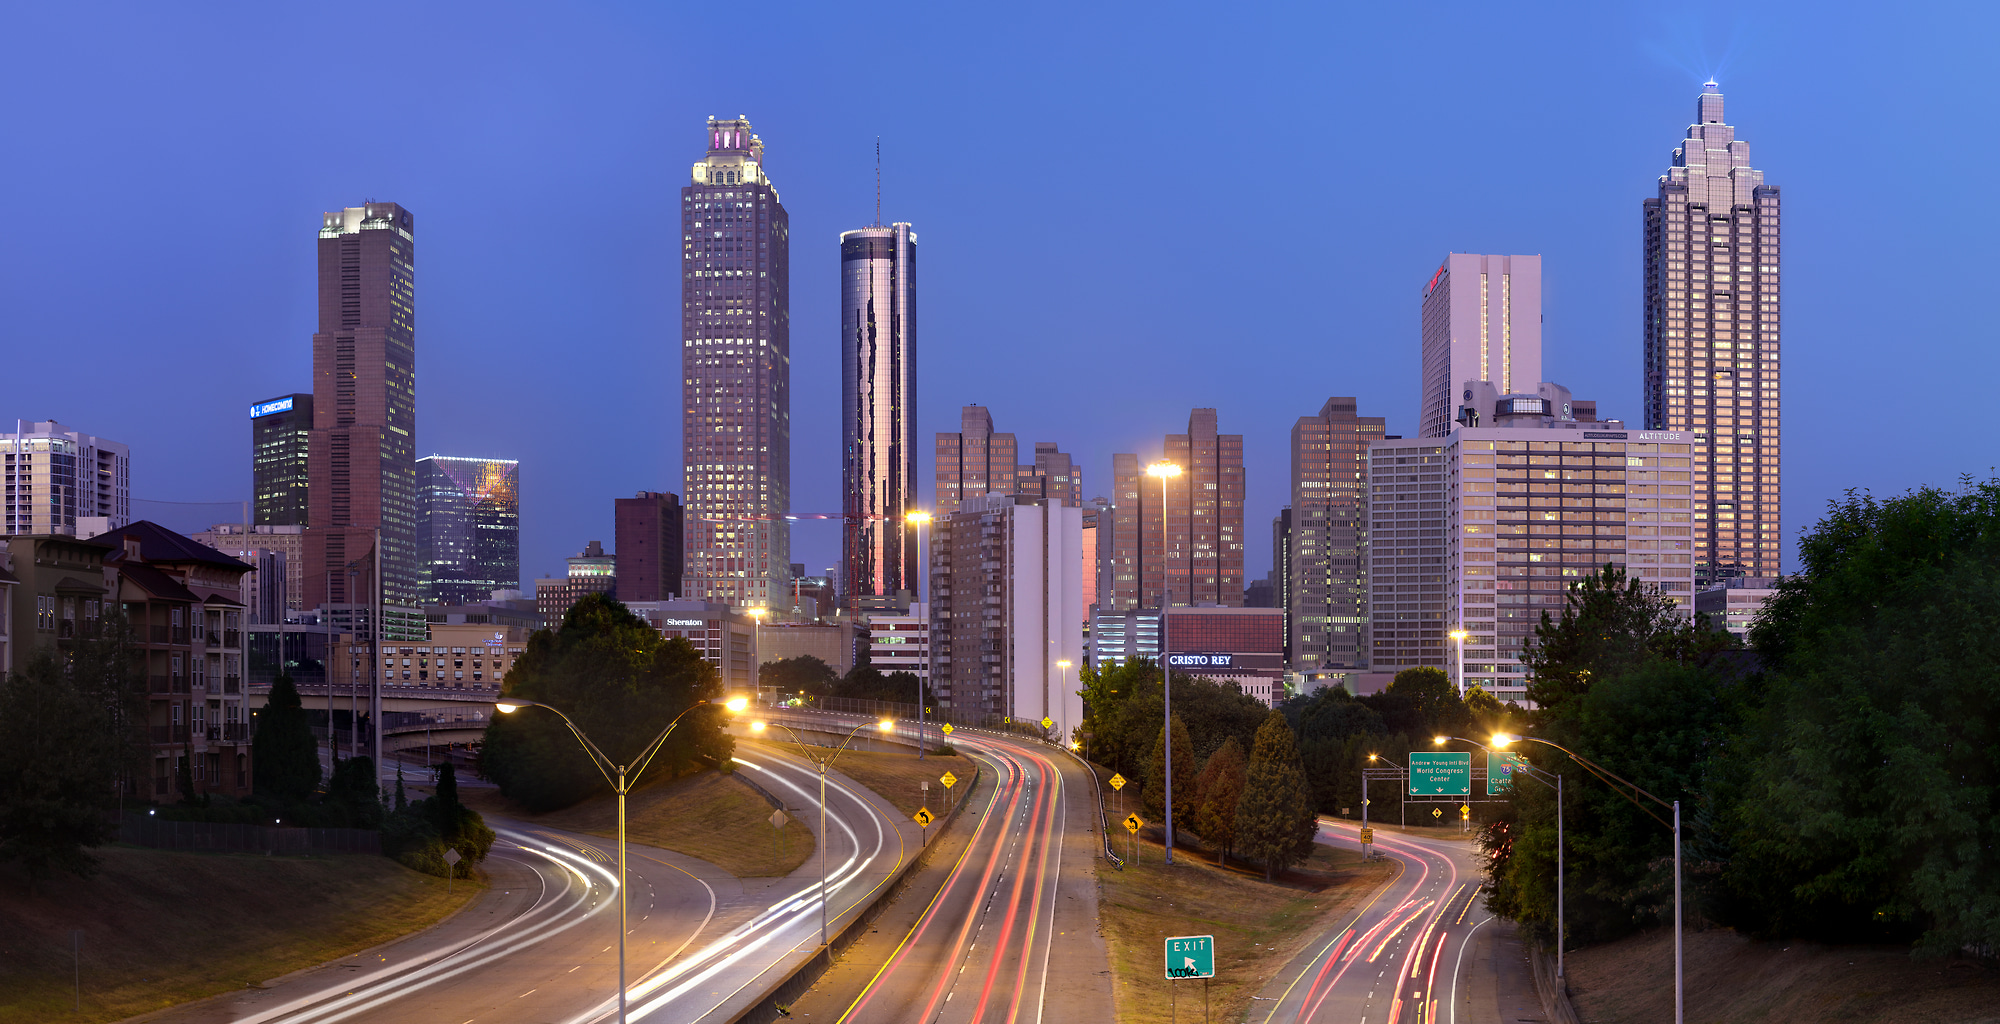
(180, 636)
(215, 639)
(157, 634)
(161, 685)
(232, 684)
(235, 732)
(170, 734)
(66, 629)
(232, 638)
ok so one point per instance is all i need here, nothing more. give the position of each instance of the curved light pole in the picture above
(1166, 471)
(1399, 796)
(1604, 775)
(920, 520)
(1064, 664)
(622, 785)
(1562, 927)
(825, 848)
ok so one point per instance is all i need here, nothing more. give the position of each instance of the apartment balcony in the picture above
(161, 684)
(232, 684)
(215, 639)
(170, 734)
(232, 638)
(157, 634)
(180, 636)
(236, 732)
(66, 629)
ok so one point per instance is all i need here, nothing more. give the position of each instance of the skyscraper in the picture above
(280, 434)
(1711, 361)
(736, 369)
(1482, 320)
(361, 458)
(1007, 608)
(1199, 558)
(649, 546)
(878, 403)
(55, 476)
(974, 462)
(1053, 475)
(468, 528)
(1326, 564)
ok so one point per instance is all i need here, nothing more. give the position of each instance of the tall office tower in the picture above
(1053, 475)
(1199, 559)
(55, 476)
(736, 369)
(973, 462)
(1007, 608)
(649, 546)
(1712, 340)
(1328, 598)
(362, 454)
(280, 435)
(1482, 320)
(878, 410)
(1281, 571)
(468, 528)
(592, 571)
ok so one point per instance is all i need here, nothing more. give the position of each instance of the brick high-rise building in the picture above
(974, 462)
(1712, 335)
(878, 403)
(362, 458)
(1053, 475)
(648, 545)
(736, 368)
(1482, 320)
(1327, 597)
(1199, 558)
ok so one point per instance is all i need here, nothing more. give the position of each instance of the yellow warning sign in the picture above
(1047, 721)
(1133, 823)
(1367, 835)
(948, 779)
(923, 816)
(1117, 782)
(947, 728)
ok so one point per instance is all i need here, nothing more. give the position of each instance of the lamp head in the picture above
(916, 518)
(1371, 757)
(759, 613)
(1163, 469)
(756, 727)
(736, 704)
(506, 708)
(886, 724)
(1456, 634)
(1064, 663)
(1440, 740)
(1501, 739)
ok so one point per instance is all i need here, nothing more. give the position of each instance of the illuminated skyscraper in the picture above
(736, 371)
(974, 462)
(280, 435)
(878, 410)
(468, 528)
(1482, 320)
(1325, 536)
(1711, 362)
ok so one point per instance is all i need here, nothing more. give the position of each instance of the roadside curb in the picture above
(1553, 991)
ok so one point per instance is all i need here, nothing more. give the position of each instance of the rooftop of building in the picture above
(159, 544)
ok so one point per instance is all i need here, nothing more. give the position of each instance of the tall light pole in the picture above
(825, 848)
(1562, 928)
(1064, 664)
(757, 648)
(622, 785)
(1166, 471)
(921, 520)
(1621, 786)
(1458, 635)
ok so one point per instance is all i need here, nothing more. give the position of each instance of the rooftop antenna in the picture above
(878, 181)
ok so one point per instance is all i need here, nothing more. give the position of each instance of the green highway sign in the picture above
(1190, 956)
(1434, 773)
(1500, 766)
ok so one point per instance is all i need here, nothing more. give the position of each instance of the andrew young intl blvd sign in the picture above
(1440, 773)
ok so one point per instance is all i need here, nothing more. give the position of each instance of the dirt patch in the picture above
(162, 928)
(1734, 980)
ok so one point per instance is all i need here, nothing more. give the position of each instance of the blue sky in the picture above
(1125, 211)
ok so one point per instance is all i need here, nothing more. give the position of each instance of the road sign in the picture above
(1440, 773)
(948, 779)
(1437, 812)
(1367, 835)
(1133, 823)
(1047, 721)
(452, 857)
(947, 728)
(777, 819)
(923, 816)
(1500, 768)
(1117, 782)
(1190, 956)
(1465, 810)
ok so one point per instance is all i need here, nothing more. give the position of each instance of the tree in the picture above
(1430, 697)
(284, 757)
(1221, 788)
(614, 675)
(1274, 820)
(801, 674)
(353, 793)
(1187, 778)
(1610, 624)
(68, 723)
(419, 834)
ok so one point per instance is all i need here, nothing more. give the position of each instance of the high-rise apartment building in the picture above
(55, 476)
(1482, 320)
(649, 543)
(362, 453)
(1327, 598)
(280, 437)
(468, 528)
(1196, 555)
(1007, 609)
(1712, 335)
(974, 462)
(736, 371)
(878, 410)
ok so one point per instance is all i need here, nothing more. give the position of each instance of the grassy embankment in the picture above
(896, 777)
(1733, 980)
(161, 928)
(1258, 926)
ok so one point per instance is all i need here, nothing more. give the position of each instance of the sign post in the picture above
(451, 859)
(1190, 956)
(1118, 787)
(1133, 824)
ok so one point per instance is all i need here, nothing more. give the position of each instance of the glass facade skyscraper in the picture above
(736, 373)
(878, 421)
(279, 432)
(1712, 336)
(468, 528)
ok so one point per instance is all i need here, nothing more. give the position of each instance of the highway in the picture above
(1407, 955)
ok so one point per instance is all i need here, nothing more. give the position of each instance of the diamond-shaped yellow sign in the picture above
(923, 816)
(1117, 782)
(948, 779)
(947, 728)
(1134, 823)
(1047, 721)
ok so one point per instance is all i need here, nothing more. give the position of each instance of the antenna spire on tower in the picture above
(878, 181)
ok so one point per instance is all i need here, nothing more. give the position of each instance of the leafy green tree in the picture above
(284, 757)
(1221, 788)
(1610, 624)
(353, 794)
(419, 834)
(1430, 697)
(614, 675)
(1187, 778)
(1274, 819)
(796, 675)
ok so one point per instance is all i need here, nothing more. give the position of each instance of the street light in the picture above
(920, 519)
(825, 848)
(1604, 775)
(757, 647)
(1364, 789)
(1459, 635)
(1064, 664)
(622, 785)
(1166, 471)
(1501, 740)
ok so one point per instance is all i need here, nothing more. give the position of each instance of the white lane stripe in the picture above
(1458, 965)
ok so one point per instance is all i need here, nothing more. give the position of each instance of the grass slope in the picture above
(1734, 980)
(162, 928)
(895, 777)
